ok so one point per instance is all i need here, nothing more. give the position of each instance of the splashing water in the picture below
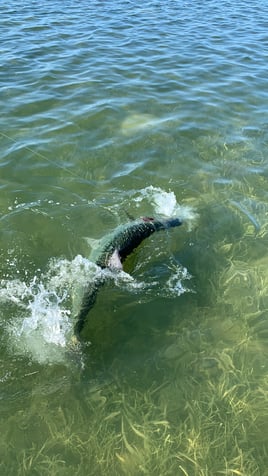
(175, 284)
(43, 307)
(41, 324)
(47, 316)
(165, 204)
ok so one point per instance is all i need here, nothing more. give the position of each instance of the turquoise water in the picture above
(111, 110)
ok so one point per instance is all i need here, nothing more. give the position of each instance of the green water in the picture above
(118, 109)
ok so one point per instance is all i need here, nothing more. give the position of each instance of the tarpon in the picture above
(113, 250)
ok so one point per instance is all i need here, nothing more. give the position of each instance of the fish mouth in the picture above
(172, 222)
(166, 222)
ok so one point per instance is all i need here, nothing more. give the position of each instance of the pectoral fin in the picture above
(114, 261)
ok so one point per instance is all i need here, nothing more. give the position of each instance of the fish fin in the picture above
(115, 261)
(92, 242)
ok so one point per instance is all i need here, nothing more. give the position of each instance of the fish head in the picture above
(164, 222)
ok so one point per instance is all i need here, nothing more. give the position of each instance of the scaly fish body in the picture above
(113, 250)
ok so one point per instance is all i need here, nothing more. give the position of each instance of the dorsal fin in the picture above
(92, 242)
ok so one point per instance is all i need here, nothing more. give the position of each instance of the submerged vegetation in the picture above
(205, 414)
(187, 396)
(118, 109)
(194, 404)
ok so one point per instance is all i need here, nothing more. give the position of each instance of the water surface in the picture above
(118, 109)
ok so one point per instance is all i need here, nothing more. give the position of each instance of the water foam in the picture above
(42, 324)
(165, 204)
(175, 284)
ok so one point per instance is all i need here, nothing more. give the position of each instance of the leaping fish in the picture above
(113, 250)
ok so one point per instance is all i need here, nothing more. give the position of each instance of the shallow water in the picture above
(113, 110)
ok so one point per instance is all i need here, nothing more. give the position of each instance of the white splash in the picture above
(47, 317)
(165, 204)
(42, 325)
(175, 283)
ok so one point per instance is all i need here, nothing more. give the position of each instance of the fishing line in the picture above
(72, 174)
(42, 156)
